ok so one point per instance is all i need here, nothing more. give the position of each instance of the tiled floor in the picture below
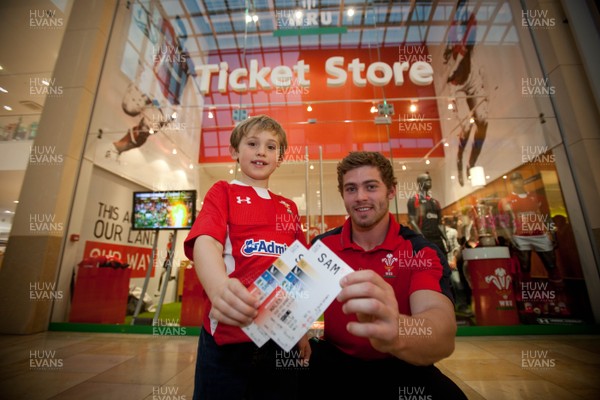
(69, 365)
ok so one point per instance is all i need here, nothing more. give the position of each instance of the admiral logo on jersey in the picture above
(263, 248)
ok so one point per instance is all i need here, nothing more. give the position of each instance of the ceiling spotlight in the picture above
(255, 18)
(230, 171)
(403, 167)
(373, 109)
(427, 162)
(446, 144)
(191, 166)
(298, 14)
(248, 18)
(471, 120)
(309, 108)
(3, 90)
(351, 12)
(174, 115)
(8, 108)
(174, 151)
(413, 107)
(210, 115)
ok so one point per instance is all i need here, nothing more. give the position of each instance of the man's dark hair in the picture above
(358, 159)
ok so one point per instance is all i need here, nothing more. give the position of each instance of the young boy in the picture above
(240, 231)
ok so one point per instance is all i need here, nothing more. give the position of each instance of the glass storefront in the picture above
(455, 92)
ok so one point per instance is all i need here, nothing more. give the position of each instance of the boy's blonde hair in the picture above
(263, 123)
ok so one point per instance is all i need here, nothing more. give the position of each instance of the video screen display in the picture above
(164, 210)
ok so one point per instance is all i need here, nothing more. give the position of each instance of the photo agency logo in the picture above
(168, 53)
(295, 154)
(537, 19)
(41, 291)
(168, 327)
(537, 359)
(535, 291)
(537, 155)
(287, 222)
(45, 19)
(413, 261)
(45, 87)
(159, 121)
(44, 360)
(409, 327)
(287, 85)
(414, 123)
(291, 360)
(536, 224)
(45, 223)
(308, 16)
(167, 393)
(44, 155)
(537, 87)
(413, 393)
(409, 190)
(412, 54)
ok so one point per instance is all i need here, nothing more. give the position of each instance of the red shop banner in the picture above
(340, 85)
(138, 258)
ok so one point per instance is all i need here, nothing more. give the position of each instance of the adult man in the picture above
(425, 214)
(394, 317)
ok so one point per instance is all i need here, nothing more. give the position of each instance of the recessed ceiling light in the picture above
(8, 108)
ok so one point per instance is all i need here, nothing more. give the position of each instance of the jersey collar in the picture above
(261, 192)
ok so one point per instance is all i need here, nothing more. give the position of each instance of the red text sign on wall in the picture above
(138, 258)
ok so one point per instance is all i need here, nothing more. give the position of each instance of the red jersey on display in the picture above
(404, 260)
(525, 207)
(255, 227)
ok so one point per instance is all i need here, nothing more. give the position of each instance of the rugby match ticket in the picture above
(294, 291)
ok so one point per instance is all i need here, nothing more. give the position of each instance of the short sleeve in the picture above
(212, 219)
